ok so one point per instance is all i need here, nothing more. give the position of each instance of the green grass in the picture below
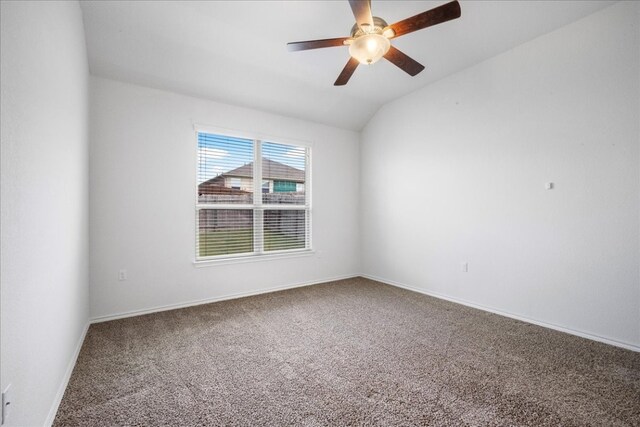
(274, 241)
(227, 242)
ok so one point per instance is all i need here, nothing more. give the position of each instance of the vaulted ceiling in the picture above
(235, 51)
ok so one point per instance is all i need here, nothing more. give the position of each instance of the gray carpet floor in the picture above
(352, 352)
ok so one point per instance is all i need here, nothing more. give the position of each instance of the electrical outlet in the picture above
(464, 267)
(6, 403)
(122, 275)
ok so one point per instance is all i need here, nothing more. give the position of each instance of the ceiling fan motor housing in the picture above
(379, 25)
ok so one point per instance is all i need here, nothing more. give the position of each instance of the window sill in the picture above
(252, 258)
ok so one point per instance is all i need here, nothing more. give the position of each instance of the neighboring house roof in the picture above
(271, 170)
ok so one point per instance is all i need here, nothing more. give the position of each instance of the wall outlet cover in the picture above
(6, 403)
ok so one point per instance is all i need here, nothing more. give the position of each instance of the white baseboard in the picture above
(587, 335)
(65, 379)
(133, 313)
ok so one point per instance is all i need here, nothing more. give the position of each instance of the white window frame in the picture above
(257, 206)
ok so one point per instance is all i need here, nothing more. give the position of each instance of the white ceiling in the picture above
(235, 51)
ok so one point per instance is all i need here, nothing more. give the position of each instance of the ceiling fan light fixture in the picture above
(369, 48)
(369, 38)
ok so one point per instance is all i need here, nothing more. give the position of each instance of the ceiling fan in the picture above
(370, 35)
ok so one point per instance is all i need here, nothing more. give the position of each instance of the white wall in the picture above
(456, 172)
(44, 213)
(142, 211)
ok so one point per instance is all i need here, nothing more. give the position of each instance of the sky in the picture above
(218, 154)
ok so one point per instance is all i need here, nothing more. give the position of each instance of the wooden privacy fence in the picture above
(247, 199)
(287, 222)
(224, 219)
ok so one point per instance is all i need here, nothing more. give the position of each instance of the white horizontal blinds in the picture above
(224, 232)
(230, 220)
(225, 169)
(283, 174)
(284, 183)
(285, 229)
(225, 179)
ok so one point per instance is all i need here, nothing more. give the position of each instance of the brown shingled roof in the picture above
(270, 170)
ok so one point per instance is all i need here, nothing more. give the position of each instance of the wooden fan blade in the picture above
(435, 16)
(316, 44)
(402, 61)
(347, 71)
(362, 12)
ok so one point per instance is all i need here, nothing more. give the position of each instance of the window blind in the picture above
(231, 220)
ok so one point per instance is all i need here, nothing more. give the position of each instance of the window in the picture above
(284, 186)
(253, 197)
(235, 183)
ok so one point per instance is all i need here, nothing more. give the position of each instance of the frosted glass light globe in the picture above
(369, 48)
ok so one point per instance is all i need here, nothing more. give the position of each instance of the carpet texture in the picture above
(351, 352)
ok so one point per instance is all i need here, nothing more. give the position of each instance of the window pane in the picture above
(285, 229)
(224, 232)
(283, 174)
(225, 169)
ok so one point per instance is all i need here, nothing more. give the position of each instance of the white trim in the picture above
(251, 257)
(250, 134)
(283, 207)
(308, 190)
(239, 206)
(621, 344)
(244, 207)
(258, 214)
(134, 313)
(257, 207)
(65, 379)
